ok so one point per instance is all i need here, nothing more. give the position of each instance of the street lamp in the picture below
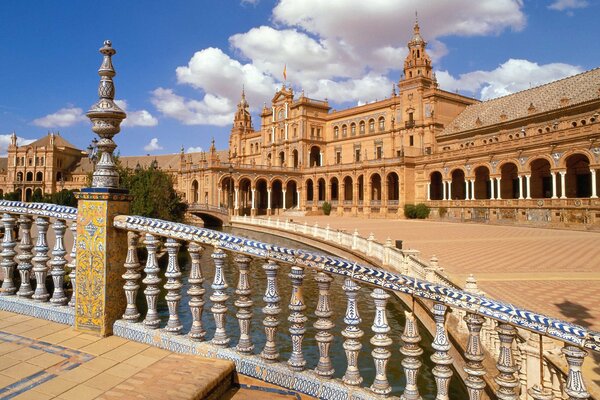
(92, 150)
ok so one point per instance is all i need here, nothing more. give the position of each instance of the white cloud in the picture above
(561, 5)
(510, 77)
(250, 2)
(197, 149)
(5, 142)
(64, 117)
(136, 117)
(153, 145)
(211, 110)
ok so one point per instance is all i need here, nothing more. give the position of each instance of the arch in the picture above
(344, 130)
(371, 125)
(321, 189)
(541, 180)
(336, 132)
(282, 158)
(261, 196)
(348, 195)
(29, 176)
(393, 186)
(276, 194)
(458, 184)
(309, 190)
(315, 156)
(291, 197)
(381, 123)
(227, 192)
(436, 189)
(527, 166)
(28, 194)
(509, 180)
(579, 178)
(195, 194)
(482, 182)
(335, 189)
(361, 127)
(19, 177)
(39, 176)
(244, 196)
(295, 158)
(375, 180)
(563, 161)
(353, 129)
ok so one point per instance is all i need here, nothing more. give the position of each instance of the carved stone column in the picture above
(324, 324)
(196, 292)
(381, 340)
(352, 333)
(244, 304)
(8, 254)
(411, 352)
(25, 256)
(58, 263)
(474, 355)
(151, 281)
(40, 258)
(442, 360)
(132, 278)
(271, 311)
(506, 380)
(219, 297)
(173, 286)
(575, 388)
(297, 319)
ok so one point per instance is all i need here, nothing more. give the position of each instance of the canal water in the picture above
(395, 314)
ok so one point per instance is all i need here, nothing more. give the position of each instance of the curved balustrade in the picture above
(479, 312)
(30, 268)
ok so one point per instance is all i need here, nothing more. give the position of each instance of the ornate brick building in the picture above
(529, 156)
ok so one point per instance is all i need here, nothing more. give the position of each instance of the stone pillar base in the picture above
(101, 251)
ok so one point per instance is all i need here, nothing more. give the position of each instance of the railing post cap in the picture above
(471, 284)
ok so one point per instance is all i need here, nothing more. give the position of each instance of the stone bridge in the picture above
(213, 216)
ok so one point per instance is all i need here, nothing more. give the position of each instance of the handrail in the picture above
(43, 209)
(476, 304)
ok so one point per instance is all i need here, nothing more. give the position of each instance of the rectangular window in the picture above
(295, 132)
(312, 132)
(411, 140)
(357, 155)
(378, 152)
(338, 157)
(319, 132)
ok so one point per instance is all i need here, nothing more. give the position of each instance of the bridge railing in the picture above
(478, 311)
(32, 260)
(207, 207)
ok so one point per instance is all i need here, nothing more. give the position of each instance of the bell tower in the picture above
(417, 65)
(242, 125)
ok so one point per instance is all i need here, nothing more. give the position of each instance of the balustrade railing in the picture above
(484, 319)
(31, 267)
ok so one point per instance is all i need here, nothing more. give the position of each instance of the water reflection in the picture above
(395, 313)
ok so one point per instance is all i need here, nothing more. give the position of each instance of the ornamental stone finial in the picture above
(106, 119)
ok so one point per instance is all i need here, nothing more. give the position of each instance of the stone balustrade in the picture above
(484, 319)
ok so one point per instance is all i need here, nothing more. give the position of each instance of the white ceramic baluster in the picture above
(324, 324)
(474, 355)
(575, 388)
(219, 297)
(380, 341)
(132, 277)
(442, 360)
(40, 258)
(244, 304)
(506, 380)
(352, 333)
(25, 256)
(297, 319)
(411, 352)
(173, 286)
(151, 281)
(73, 264)
(271, 311)
(196, 292)
(58, 263)
(8, 255)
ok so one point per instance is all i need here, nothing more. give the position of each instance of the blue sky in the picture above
(181, 64)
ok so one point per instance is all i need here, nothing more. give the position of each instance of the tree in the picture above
(13, 196)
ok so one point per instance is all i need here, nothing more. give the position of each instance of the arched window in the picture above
(19, 176)
(39, 176)
(344, 130)
(362, 127)
(353, 129)
(336, 132)
(381, 123)
(29, 177)
(371, 125)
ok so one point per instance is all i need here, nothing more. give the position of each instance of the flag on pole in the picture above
(284, 72)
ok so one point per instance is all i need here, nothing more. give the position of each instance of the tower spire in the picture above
(106, 119)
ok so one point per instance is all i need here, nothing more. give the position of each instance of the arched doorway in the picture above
(309, 191)
(276, 194)
(348, 190)
(361, 188)
(436, 189)
(227, 192)
(335, 192)
(282, 158)
(28, 194)
(375, 187)
(509, 181)
(39, 176)
(315, 157)
(245, 197)
(195, 193)
(541, 180)
(579, 178)
(29, 177)
(482, 183)
(295, 158)
(393, 187)
(321, 189)
(458, 184)
(261, 197)
(291, 195)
